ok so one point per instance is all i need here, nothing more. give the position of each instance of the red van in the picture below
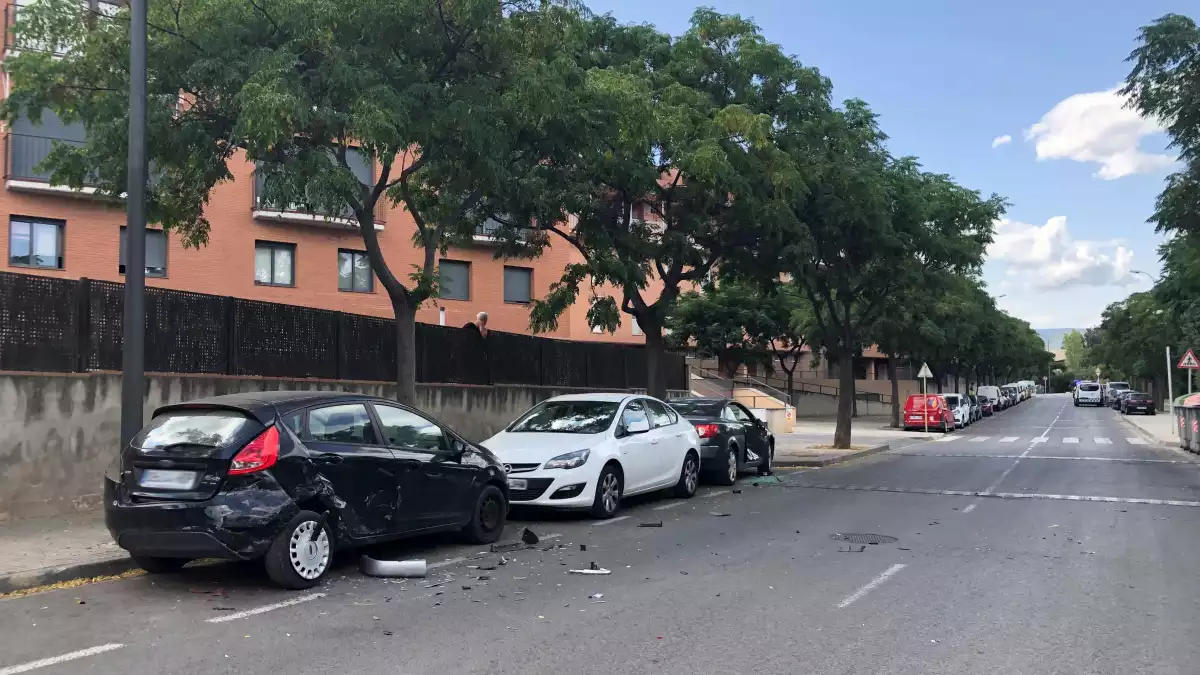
(918, 407)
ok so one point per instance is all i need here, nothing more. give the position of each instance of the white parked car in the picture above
(588, 451)
(961, 407)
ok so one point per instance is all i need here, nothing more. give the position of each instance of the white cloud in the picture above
(1097, 127)
(1047, 256)
(1001, 140)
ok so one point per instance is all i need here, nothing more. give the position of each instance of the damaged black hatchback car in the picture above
(291, 477)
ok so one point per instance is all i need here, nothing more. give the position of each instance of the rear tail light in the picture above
(707, 430)
(260, 453)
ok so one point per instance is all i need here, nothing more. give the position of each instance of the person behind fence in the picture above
(479, 325)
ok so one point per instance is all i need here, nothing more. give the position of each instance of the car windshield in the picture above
(1118, 386)
(567, 417)
(698, 408)
(211, 428)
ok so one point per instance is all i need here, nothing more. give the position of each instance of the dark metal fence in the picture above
(68, 325)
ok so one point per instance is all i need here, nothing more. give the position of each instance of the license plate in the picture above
(518, 484)
(161, 479)
(915, 418)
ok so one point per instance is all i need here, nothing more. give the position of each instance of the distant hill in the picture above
(1054, 336)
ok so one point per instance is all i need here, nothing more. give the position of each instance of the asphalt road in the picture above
(1039, 541)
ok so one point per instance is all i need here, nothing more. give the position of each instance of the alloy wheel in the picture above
(489, 515)
(691, 474)
(610, 492)
(732, 465)
(309, 555)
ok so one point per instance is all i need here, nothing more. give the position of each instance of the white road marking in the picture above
(970, 508)
(1124, 460)
(1039, 439)
(668, 505)
(944, 439)
(265, 608)
(714, 493)
(1103, 441)
(980, 439)
(1008, 439)
(1135, 441)
(1007, 495)
(610, 521)
(874, 583)
(1070, 439)
(62, 658)
(995, 484)
(447, 561)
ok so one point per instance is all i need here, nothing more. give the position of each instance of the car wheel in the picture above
(689, 477)
(156, 565)
(730, 474)
(608, 493)
(766, 467)
(300, 555)
(490, 516)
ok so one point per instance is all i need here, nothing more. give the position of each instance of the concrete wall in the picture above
(59, 431)
(825, 405)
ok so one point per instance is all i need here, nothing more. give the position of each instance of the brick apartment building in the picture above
(263, 253)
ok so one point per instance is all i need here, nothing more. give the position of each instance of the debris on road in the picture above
(583, 547)
(529, 537)
(720, 514)
(595, 596)
(593, 570)
(409, 569)
(736, 491)
(656, 523)
(508, 546)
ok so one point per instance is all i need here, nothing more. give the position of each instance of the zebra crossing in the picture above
(1066, 440)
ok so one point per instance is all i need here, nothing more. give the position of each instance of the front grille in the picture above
(521, 468)
(537, 486)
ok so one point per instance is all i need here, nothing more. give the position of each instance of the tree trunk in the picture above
(791, 392)
(406, 352)
(939, 379)
(895, 391)
(656, 384)
(957, 377)
(841, 434)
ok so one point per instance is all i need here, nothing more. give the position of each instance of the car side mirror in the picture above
(637, 427)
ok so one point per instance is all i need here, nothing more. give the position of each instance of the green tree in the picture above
(670, 191)
(454, 101)
(1075, 351)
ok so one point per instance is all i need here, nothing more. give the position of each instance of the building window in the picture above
(274, 264)
(637, 330)
(518, 284)
(156, 253)
(35, 243)
(354, 272)
(455, 282)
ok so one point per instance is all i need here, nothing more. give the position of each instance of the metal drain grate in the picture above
(865, 538)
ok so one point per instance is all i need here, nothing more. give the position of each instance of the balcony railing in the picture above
(296, 213)
(489, 230)
(23, 155)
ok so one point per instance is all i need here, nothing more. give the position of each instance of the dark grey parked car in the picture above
(732, 439)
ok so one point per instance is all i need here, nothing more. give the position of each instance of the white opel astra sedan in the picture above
(587, 451)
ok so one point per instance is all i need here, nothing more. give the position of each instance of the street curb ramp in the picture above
(829, 461)
(1151, 438)
(24, 580)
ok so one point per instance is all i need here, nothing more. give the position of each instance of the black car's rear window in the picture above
(567, 417)
(1089, 386)
(213, 428)
(698, 408)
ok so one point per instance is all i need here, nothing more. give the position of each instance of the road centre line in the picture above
(610, 521)
(61, 658)
(1005, 495)
(1125, 460)
(669, 505)
(970, 507)
(260, 610)
(872, 585)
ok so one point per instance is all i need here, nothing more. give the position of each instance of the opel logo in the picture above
(508, 468)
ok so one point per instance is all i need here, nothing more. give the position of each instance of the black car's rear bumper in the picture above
(235, 525)
(712, 457)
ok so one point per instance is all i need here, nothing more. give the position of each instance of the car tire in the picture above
(609, 487)
(728, 476)
(489, 517)
(689, 476)
(766, 468)
(300, 556)
(156, 565)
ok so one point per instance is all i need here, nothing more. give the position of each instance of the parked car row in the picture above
(1128, 401)
(947, 412)
(291, 477)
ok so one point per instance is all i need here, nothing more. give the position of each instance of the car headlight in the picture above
(571, 460)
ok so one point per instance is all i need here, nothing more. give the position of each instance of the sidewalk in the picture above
(39, 551)
(1160, 427)
(808, 444)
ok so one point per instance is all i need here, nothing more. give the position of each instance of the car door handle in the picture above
(330, 458)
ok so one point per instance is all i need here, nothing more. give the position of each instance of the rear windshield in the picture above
(210, 428)
(567, 417)
(1089, 386)
(1118, 386)
(952, 400)
(698, 408)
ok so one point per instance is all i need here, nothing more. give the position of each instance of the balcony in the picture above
(487, 233)
(297, 214)
(24, 153)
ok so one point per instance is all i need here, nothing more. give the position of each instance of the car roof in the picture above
(612, 397)
(264, 404)
(700, 399)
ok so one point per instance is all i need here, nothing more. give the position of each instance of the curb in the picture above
(1173, 443)
(24, 580)
(831, 460)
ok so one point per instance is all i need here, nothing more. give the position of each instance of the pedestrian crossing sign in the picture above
(1189, 361)
(925, 372)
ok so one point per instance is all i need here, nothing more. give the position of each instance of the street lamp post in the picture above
(133, 365)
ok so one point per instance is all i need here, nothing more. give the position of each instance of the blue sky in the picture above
(950, 79)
